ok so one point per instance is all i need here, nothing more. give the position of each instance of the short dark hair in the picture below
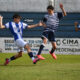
(16, 16)
(50, 7)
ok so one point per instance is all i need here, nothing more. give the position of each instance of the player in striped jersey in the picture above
(16, 27)
(50, 22)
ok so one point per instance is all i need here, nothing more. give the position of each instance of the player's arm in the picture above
(1, 22)
(44, 22)
(62, 8)
(35, 25)
(76, 26)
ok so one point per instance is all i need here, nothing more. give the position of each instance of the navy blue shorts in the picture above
(49, 35)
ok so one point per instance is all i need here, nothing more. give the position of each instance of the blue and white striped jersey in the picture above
(16, 29)
(52, 21)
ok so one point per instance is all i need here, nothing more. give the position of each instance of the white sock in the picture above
(32, 58)
(9, 60)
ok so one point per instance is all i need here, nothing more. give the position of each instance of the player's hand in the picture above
(40, 23)
(61, 5)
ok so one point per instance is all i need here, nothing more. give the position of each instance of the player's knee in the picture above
(27, 47)
(20, 55)
(45, 41)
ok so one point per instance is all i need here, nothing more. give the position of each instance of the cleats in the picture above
(6, 61)
(40, 57)
(35, 60)
(53, 55)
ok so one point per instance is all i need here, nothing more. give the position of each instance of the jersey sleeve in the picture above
(45, 19)
(60, 15)
(7, 25)
(25, 25)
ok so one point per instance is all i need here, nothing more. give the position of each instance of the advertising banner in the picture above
(64, 45)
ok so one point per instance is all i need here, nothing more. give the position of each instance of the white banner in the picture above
(64, 45)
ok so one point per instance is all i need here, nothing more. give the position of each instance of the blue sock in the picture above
(40, 49)
(12, 58)
(52, 51)
(30, 54)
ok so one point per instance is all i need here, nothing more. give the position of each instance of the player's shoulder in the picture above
(10, 22)
(7, 23)
(21, 22)
(46, 15)
(56, 13)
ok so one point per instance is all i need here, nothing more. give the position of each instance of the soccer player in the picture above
(16, 27)
(77, 26)
(50, 22)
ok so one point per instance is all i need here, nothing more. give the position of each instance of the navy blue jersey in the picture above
(52, 21)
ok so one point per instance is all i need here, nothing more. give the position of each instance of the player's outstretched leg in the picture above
(34, 59)
(7, 61)
(41, 48)
(39, 52)
(53, 49)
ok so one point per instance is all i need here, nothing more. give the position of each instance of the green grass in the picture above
(66, 67)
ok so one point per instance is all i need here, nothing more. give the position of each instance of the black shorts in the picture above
(49, 35)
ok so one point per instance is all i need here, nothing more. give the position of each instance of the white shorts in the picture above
(20, 43)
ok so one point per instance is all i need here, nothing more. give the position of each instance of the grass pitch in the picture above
(66, 67)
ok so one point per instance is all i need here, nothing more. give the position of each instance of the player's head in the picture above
(16, 18)
(50, 9)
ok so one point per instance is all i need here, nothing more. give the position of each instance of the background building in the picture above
(37, 5)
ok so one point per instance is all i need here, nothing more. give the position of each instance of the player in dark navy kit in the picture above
(51, 23)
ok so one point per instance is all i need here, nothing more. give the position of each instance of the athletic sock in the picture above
(31, 55)
(32, 58)
(12, 58)
(40, 49)
(52, 51)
